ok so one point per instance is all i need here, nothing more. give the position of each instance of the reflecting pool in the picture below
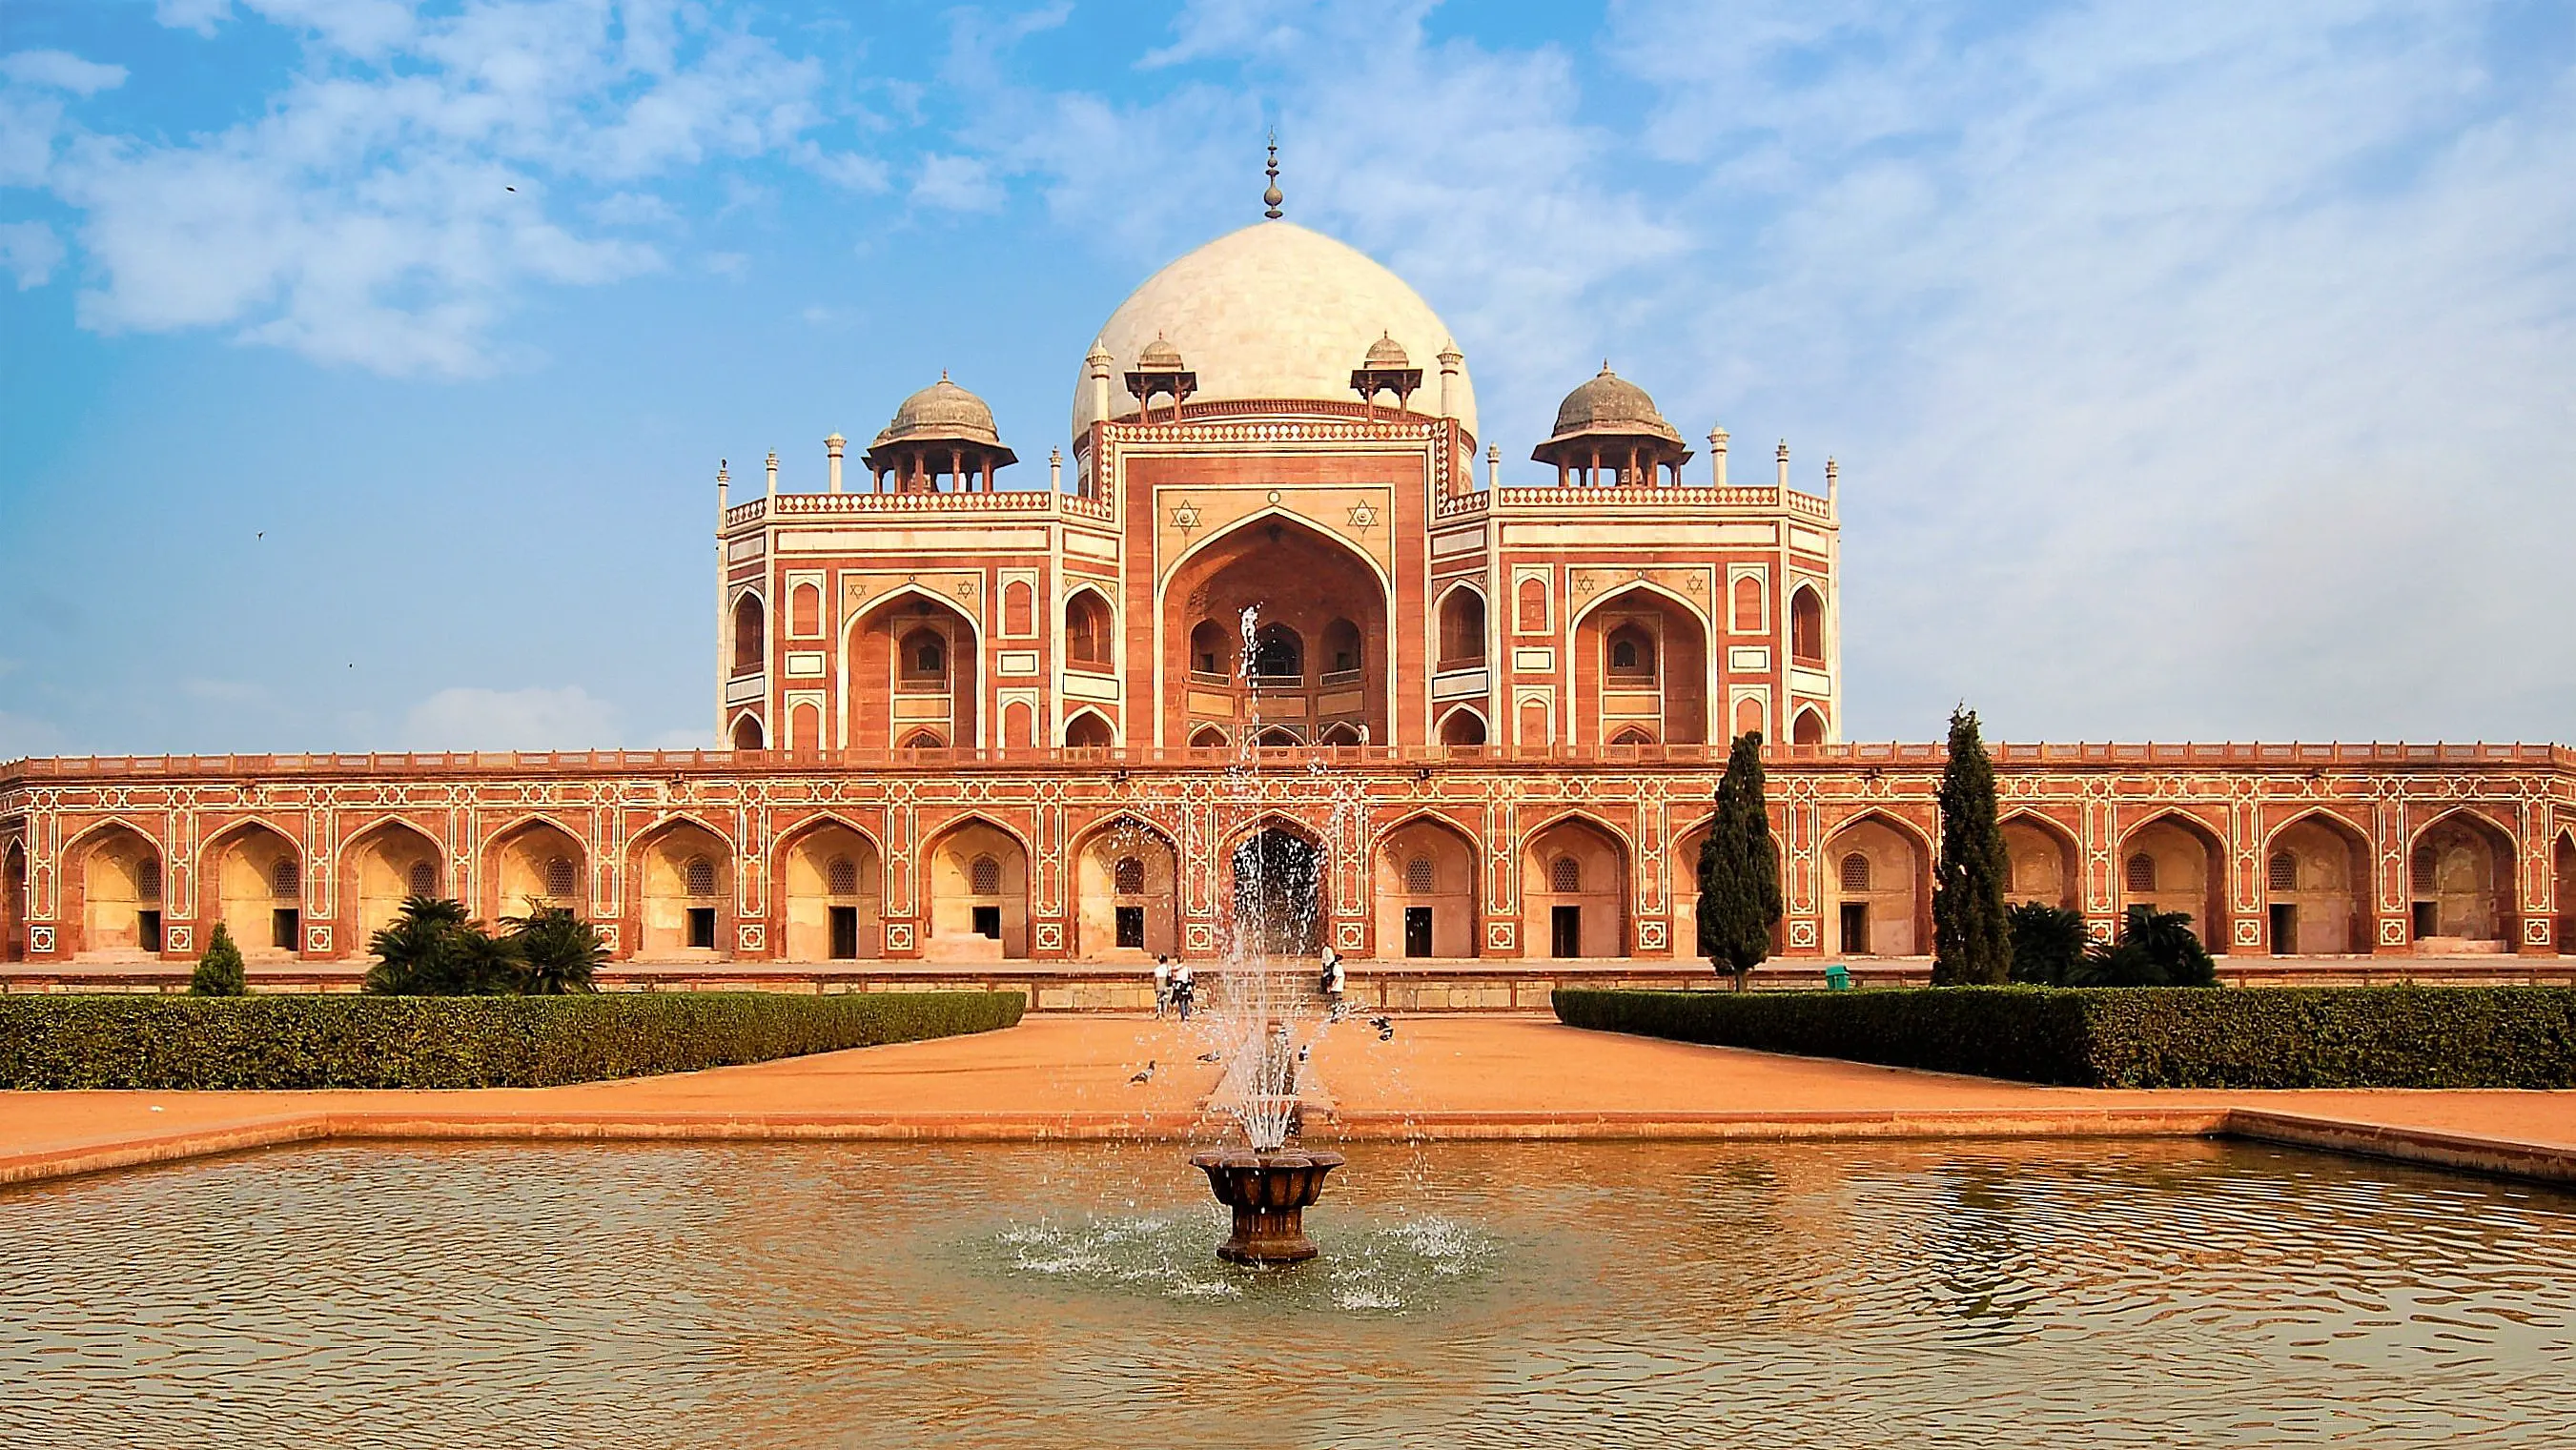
(1981, 1294)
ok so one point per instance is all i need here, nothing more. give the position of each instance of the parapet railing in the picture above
(2295, 755)
(1768, 498)
(999, 501)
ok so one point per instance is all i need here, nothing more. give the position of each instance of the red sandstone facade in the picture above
(1266, 614)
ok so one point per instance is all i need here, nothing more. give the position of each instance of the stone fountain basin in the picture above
(1269, 1194)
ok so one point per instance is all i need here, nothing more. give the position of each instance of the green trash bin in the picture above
(1837, 978)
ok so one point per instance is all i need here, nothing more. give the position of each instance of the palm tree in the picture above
(413, 953)
(557, 950)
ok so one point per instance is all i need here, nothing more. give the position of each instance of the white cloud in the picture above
(29, 252)
(62, 71)
(369, 215)
(956, 183)
(197, 15)
(2185, 363)
(469, 718)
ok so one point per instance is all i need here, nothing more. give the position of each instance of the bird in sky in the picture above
(1145, 1076)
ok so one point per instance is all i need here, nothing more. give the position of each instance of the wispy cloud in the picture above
(29, 253)
(390, 202)
(61, 71)
(473, 718)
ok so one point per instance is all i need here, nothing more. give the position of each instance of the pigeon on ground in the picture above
(1385, 1028)
(1211, 1057)
(1145, 1076)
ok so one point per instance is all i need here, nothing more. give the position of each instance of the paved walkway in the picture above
(1442, 1077)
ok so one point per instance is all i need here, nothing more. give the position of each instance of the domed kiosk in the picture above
(941, 431)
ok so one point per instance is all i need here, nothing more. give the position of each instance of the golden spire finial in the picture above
(1271, 198)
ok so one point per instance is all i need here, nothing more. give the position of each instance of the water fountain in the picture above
(1263, 1017)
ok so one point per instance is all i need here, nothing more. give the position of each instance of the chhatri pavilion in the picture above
(1270, 605)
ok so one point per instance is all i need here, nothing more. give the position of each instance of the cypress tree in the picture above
(1972, 937)
(219, 971)
(1739, 870)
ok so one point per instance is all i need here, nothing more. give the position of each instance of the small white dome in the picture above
(1273, 311)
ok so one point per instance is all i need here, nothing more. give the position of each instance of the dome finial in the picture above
(1271, 198)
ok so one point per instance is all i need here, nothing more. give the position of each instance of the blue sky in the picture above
(2197, 370)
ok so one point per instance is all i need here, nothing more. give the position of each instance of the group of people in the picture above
(1176, 986)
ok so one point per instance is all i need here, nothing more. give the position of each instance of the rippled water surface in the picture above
(1673, 1295)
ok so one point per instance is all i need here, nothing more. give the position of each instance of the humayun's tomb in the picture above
(1002, 733)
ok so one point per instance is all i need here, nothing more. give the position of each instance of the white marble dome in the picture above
(1274, 311)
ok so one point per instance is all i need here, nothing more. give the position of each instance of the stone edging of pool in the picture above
(2459, 1152)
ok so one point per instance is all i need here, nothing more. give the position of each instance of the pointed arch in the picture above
(1640, 656)
(2317, 885)
(2463, 894)
(1304, 578)
(243, 882)
(2184, 869)
(976, 870)
(1883, 909)
(1806, 624)
(1459, 627)
(111, 879)
(13, 901)
(828, 872)
(1280, 877)
(750, 633)
(1810, 727)
(2045, 860)
(872, 677)
(1464, 727)
(747, 732)
(1126, 879)
(534, 860)
(1088, 729)
(1428, 873)
(1576, 874)
(2563, 879)
(681, 875)
(379, 865)
(1090, 629)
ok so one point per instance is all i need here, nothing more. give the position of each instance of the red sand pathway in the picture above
(1448, 1076)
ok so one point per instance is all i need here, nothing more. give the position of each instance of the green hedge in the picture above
(278, 1042)
(2266, 1037)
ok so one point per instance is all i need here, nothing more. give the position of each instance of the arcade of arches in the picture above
(1413, 880)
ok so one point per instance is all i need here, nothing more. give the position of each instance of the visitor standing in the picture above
(1332, 985)
(1185, 989)
(1162, 983)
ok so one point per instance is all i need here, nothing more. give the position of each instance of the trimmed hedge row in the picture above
(307, 1041)
(2266, 1037)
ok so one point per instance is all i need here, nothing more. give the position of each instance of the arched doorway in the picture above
(1426, 883)
(750, 637)
(1127, 890)
(830, 877)
(683, 875)
(2566, 870)
(1087, 731)
(1806, 627)
(530, 865)
(1641, 668)
(13, 903)
(1876, 880)
(1087, 635)
(1462, 629)
(380, 869)
(746, 732)
(2174, 863)
(1462, 727)
(2315, 871)
(1574, 891)
(253, 881)
(2045, 864)
(1683, 859)
(2461, 877)
(1278, 894)
(1320, 626)
(979, 895)
(913, 679)
(116, 873)
(1809, 729)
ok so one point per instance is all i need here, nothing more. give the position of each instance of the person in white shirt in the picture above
(1162, 983)
(1333, 985)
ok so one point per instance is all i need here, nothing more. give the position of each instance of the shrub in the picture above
(433, 949)
(309, 1041)
(2156, 949)
(2269, 1037)
(219, 971)
(2047, 942)
(558, 951)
